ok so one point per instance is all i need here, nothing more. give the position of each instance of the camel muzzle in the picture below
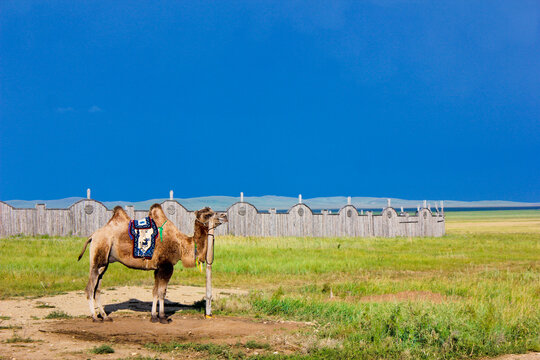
(222, 217)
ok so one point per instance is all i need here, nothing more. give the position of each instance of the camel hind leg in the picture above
(162, 276)
(99, 261)
(97, 294)
(90, 291)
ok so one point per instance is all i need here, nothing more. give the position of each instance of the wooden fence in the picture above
(86, 216)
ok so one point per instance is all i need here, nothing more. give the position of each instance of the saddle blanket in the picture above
(143, 233)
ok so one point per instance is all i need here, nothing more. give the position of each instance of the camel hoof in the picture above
(154, 319)
(165, 320)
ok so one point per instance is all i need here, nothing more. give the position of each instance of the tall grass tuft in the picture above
(102, 349)
(58, 314)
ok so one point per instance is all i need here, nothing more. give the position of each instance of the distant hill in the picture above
(278, 202)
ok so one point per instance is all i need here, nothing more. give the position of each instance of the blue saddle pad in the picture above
(143, 233)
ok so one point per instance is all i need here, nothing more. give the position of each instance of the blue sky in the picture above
(410, 99)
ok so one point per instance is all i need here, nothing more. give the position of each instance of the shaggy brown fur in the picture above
(112, 243)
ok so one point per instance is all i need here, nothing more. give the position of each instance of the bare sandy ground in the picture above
(130, 308)
(133, 298)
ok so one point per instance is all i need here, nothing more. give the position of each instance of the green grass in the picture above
(58, 314)
(32, 267)
(102, 349)
(252, 344)
(492, 215)
(10, 327)
(485, 284)
(15, 339)
(44, 306)
(210, 349)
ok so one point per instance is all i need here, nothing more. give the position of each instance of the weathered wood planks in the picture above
(86, 216)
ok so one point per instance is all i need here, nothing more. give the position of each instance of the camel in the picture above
(112, 243)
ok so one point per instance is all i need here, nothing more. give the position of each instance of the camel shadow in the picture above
(171, 307)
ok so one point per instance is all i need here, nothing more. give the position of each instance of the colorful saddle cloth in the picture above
(143, 233)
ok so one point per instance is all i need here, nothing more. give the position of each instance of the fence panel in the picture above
(348, 219)
(86, 216)
(6, 220)
(300, 221)
(58, 222)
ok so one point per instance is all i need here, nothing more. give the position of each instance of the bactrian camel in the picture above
(112, 243)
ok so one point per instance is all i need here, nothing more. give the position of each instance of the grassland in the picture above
(479, 285)
(498, 221)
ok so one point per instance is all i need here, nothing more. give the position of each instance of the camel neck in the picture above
(200, 233)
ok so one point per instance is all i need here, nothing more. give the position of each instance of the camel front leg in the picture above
(154, 317)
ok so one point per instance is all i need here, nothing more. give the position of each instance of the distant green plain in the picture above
(472, 293)
(494, 215)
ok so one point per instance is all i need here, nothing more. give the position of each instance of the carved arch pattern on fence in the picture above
(88, 216)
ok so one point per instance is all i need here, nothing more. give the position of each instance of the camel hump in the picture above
(119, 214)
(156, 212)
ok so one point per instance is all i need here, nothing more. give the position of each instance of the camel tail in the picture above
(84, 249)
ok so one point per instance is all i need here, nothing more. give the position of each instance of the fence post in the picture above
(299, 198)
(324, 226)
(130, 210)
(209, 262)
(88, 193)
(41, 220)
(171, 193)
(348, 200)
(371, 228)
(388, 203)
(242, 196)
(425, 204)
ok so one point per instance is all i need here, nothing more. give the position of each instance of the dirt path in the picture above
(130, 307)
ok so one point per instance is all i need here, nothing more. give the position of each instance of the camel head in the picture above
(206, 215)
(205, 218)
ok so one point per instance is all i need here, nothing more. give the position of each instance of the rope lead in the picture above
(161, 230)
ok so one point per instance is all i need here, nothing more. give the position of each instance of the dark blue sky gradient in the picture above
(410, 99)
